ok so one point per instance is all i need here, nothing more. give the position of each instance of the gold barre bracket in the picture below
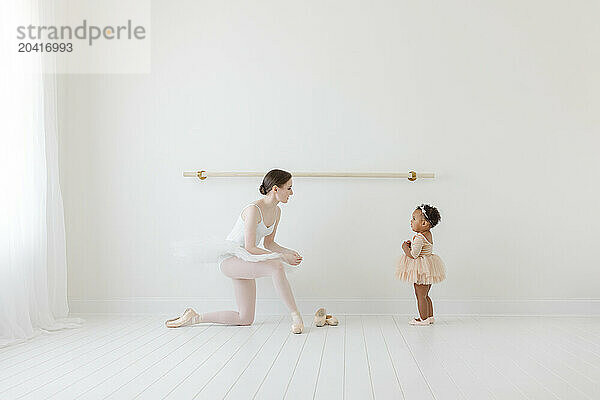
(411, 176)
(200, 175)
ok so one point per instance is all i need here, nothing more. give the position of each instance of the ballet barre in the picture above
(411, 176)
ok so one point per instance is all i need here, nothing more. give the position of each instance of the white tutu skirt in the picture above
(214, 251)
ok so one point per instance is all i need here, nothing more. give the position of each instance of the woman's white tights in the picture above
(243, 273)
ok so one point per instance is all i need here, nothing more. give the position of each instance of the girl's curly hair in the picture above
(430, 213)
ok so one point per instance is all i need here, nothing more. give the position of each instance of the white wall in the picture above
(500, 100)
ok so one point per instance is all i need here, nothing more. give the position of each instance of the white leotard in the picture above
(237, 233)
(237, 241)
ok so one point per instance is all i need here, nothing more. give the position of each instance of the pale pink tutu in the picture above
(423, 270)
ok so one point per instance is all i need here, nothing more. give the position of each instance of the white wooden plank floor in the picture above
(365, 357)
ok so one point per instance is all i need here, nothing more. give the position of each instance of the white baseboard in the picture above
(174, 305)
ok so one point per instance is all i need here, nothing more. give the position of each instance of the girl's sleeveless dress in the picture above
(425, 268)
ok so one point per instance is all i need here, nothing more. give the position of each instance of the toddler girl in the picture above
(419, 265)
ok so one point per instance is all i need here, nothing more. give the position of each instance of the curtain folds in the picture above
(33, 270)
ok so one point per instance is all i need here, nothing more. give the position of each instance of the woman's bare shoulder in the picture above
(251, 212)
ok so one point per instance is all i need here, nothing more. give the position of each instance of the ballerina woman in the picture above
(244, 260)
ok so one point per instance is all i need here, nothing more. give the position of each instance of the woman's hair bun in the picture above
(274, 177)
(262, 190)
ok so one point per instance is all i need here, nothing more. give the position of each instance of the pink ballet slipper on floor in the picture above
(189, 317)
(331, 320)
(320, 317)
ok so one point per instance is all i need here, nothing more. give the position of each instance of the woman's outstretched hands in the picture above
(292, 258)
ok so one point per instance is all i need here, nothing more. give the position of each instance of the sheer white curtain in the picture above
(33, 271)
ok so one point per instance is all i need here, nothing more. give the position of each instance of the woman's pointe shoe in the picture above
(297, 323)
(189, 317)
(320, 317)
(331, 320)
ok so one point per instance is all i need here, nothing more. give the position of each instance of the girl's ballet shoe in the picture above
(419, 322)
(431, 320)
(320, 317)
(189, 317)
(297, 323)
(331, 320)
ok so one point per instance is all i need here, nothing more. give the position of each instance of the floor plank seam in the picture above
(297, 361)
(252, 359)
(147, 368)
(362, 325)
(91, 361)
(320, 362)
(535, 379)
(391, 359)
(229, 359)
(414, 358)
(65, 362)
(202, 363)
(176, 365)
(272, 364)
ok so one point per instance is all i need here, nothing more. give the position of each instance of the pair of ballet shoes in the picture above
(322, 318)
